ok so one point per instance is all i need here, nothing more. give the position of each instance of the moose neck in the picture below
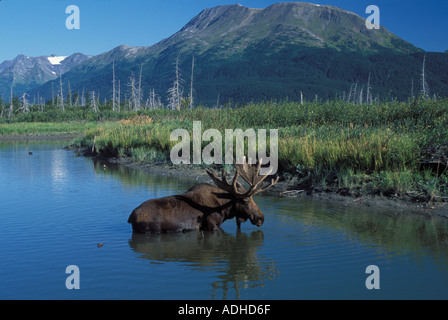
(217, 200)
(227, 209)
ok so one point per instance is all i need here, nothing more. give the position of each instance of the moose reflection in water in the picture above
(204, 206)
(234, 256)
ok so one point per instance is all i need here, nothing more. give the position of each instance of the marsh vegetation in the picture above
(395, 149)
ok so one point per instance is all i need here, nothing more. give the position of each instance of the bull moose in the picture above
(204, 206)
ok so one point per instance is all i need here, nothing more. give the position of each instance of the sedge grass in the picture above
(376, 148)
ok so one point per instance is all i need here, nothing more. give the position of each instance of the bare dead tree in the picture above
(191, 83)
(178, 83)
(217, 102)
(354, 95)
(11, 106)
(1, 107)
(425, 88)
(113, 87)
(83, 98)
(140, 90)
(133, 100)
(119, 96)
(76, 100)
(52, 94)
(369, 99)
(69, 95)
(172, 98)
(41, 104)
(25, 104)
(152, 99)
(175, 92)
(93, 101)
(350, 93)
(360, 100)
(61, 94)
(39, 101)
(131, 85)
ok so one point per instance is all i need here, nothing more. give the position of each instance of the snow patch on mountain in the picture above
(56, 60)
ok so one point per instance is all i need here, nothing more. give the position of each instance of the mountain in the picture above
(243, 54)
(289, 23)
(25, 73)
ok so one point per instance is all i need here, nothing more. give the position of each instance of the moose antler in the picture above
(223, 183)
(249, 173)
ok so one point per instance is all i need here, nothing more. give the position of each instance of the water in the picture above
(56, 207)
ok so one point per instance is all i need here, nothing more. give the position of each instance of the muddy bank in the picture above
(290, 188)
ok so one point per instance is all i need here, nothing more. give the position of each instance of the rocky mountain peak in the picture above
(26, 72)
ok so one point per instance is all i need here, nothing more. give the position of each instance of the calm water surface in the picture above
(56, 207)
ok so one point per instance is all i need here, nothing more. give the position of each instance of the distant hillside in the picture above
(243, 54)
(25, 73)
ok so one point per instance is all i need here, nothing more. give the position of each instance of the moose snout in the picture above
(259, 221)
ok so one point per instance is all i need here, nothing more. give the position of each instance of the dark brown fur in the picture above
(203, 207)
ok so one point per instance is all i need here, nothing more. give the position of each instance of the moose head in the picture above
(244, 207)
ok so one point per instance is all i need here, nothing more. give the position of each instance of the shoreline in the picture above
(285, 188)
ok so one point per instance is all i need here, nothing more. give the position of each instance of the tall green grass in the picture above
(35, 128)
(374, 148)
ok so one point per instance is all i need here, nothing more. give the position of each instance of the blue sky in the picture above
(37, 27)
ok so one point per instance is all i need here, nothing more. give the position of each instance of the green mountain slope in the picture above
(243, 54)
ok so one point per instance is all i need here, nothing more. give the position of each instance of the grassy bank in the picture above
(55, 121)
(392, 149)
(44, 128)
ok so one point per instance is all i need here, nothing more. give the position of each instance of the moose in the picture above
(204, 206)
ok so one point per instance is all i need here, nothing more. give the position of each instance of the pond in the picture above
(59, 209)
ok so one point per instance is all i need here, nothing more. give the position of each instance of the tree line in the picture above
(130, 96)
